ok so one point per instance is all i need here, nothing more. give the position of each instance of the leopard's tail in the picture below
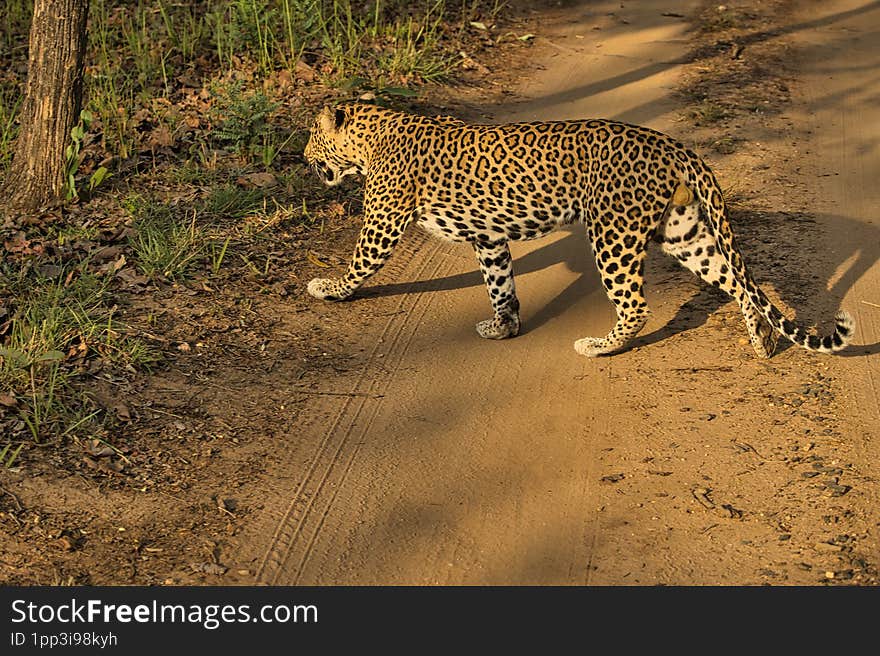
(709, 195)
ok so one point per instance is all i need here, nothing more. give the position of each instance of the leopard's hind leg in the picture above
(620, 257)
(686, 236)
(497, 268)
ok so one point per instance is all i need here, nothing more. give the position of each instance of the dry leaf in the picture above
(284, 79)
(317, 261)
(131, 277)
(304, 72)
(112, 267)
(161, 137)
(98, 449)
(107, 253)
(259, 180)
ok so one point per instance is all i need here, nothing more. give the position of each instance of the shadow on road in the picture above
(800, 277)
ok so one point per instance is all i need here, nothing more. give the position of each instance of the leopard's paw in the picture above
(498, 328)
(764, 342)
(327, 289)
(592, 346)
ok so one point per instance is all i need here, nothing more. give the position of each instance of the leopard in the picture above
(490, 184)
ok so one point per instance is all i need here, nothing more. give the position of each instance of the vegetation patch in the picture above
(184, 175)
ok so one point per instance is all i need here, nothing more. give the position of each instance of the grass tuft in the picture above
(58, 323)
(164, 246)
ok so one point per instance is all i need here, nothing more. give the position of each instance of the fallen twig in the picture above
(745, 446)
(18, 505)
(701, 494)
(693, 370)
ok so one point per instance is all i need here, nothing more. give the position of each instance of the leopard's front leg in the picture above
(377, 240)
(497, 267)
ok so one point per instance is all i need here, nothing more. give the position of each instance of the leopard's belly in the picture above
(501, 223)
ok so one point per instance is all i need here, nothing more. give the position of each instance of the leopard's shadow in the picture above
(809, 296)
(573, 251)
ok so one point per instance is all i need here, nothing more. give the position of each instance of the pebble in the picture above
(837, 490)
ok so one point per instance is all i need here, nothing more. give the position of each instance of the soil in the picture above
(380, 441)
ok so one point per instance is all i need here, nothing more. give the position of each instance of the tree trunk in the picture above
(53, 96)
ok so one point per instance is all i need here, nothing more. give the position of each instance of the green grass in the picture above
(172, 243)
(413, 51)
(707, 112)
(8, 455)
(165, 245)
(209, 72)
(58, 322)
(15, 20)
(139, 50)
(241, 118)
(231, 201)
(10, 101)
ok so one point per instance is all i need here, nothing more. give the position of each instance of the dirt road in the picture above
(441, 458)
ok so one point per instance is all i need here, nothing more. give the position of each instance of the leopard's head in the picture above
(333, 151)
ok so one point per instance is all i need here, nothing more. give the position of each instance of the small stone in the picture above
(829, 575)
(65, 543)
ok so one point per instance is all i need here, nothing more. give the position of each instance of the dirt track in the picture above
(441, 458)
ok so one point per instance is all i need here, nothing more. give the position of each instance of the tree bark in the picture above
(53, 96)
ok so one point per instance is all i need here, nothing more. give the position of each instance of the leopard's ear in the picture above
(340, 117)
(326, 120)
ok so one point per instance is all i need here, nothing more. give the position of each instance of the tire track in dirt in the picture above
(461, 460)
(366, 394)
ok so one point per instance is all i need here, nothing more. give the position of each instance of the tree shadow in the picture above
(643, 114)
